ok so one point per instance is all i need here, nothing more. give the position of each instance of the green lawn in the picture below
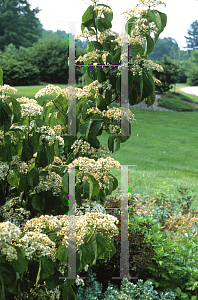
(165, 151)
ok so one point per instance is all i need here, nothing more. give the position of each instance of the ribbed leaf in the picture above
(16, 109)
(38, 202)
(27, 151)
(88, 17)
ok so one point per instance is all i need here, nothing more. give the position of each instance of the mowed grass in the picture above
(165, 152)
(165, 149)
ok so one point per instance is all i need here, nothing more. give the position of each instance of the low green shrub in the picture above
(175, 104)
(139, 291)
(92, 290)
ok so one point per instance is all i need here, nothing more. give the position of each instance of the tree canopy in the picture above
(18, 24)
(192, 38)
(166, 46)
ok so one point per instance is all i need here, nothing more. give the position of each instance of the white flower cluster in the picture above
(138, 64)
(36, 243)
(43, 222)
(49, 135)
(6, 88)
(85, 148)
(112, 113)
(30, 107)
(17, 216)
(104, 56)
(151, 3)
(4, 168)
(48, 90)
(51, 182)
(101, 9)
(89, 56)
(21, 165)
(90, 206)
(86, 34)
(79, 281)
(9, 233)
(98, 221)
(105, 34)
(99, 169)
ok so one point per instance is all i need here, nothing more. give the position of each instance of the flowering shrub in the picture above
(37, 154)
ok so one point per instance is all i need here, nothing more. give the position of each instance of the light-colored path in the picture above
(190, 90)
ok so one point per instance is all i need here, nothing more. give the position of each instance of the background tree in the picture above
(168, 77)
(18, 24)
(192, 70)
(192, 38)
(166, 46)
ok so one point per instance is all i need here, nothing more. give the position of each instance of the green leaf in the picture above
(104, 248)
(53, 281)
(148, 85)
(38, 201)
(118, 84)
(78, 195)
(20, 265)
(101, 75)
(135, 49)
(68, 293)
(116, 57)
(47, 268)
(61, 101)
(50, 153)
(16, 109)
(163, 20)
(56, 148)
(108, 96)
(61, 118)
(27, 151)
(95, 127)
(85, 255)
(22, 183)
(65, 183)
(57, 170)
(33, 177)
(102, 24)
(111, 143)
(8, 278)
(6, 152)
(117, 144)
(64, 198)
(151, 99)
(149, 44)
(13, 179)
(101, 103)
(84, 111)
(93, 141)
(87, 79)
(97, 45)
(131, 24)
(88, 17)
(154, 16)
(85, 128)
(1, 76)
(41, 159)
(108, 15)
(5, 115)
(95, 187)
(115, 182)
(62, 253)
